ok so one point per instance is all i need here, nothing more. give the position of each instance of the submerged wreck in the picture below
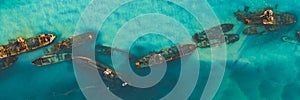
(52, 59)
(269, 19)
(214, 31)
(217, 41)
(216, 36)
(166, 55)
(7, 62)
(106, 72)
(66, 44)
(21, 45)
(62, 56)
(9, 52)
(61, 51)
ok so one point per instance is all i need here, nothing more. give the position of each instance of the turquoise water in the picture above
(257, 67)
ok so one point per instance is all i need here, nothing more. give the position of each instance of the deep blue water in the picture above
(257, 66)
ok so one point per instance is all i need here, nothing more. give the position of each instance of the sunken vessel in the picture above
(21, 45)
(165, 55)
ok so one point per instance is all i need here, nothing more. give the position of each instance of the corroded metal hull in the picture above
(7, 62)
(254, 30)
(231, 38)
(198, 37)
(166, 55)
(65, 56)
(228, 39)
(24, 45)
(285, 18)
(52, 59)
(261, 29)
(255, 18)
(68, 43)
(269, 20)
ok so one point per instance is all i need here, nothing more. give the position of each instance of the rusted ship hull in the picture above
(25, 45)
(52, 59)
(254, 30)
(228, 39)
(198, 37)
(166, 55)
(254, 18)
(7, 62)
(264, 20)
(69, 43)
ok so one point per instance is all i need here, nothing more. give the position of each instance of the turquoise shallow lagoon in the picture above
(257, 67)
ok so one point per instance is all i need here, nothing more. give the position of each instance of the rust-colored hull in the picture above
(264, 20)
(25, 45)
(69, 43)
(254, 18)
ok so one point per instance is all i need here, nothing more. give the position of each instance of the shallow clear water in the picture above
(257, 67)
